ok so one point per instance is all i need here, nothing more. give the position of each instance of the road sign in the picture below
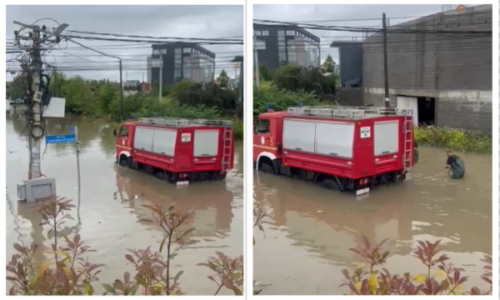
(60, 139)
(72, 129)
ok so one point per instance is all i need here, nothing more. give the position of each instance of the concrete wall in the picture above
(455, 69)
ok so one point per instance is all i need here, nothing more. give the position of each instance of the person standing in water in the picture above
(455, 165)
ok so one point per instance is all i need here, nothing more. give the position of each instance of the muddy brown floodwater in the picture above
(108, 212)
(306, 247)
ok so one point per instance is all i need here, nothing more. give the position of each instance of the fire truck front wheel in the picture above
(266, 166)
(124, 161)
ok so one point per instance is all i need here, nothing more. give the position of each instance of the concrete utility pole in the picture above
(121, 91)
(36, 130)
(160, 94)
(386, 69)
(256, 63)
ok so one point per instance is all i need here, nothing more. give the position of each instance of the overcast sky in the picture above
(319, 14)
(187, 21)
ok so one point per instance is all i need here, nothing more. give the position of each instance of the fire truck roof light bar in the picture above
(184, 122)
(348, 112)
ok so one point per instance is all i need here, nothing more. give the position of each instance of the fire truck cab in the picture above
(343, 148)
(177, 150)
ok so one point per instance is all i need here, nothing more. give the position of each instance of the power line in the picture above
(370, 30)
(224, 39)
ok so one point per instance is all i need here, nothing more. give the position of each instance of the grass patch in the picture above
(455, 139)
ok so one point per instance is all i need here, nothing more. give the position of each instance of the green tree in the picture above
(302, 79)
(106, 94)
(17, 87)
(329, 64)
(79, 98)
(265, 73)
(223, 78)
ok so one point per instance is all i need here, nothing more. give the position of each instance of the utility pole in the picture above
(121, 91)
(387, 102)
(36, 131)
(160, 94)
(256, 63)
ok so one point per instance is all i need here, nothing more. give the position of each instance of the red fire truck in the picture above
(343, 148)
(177, 150)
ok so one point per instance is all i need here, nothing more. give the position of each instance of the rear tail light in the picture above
(363, 181)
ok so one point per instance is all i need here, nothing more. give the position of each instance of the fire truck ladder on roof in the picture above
(408, 140)
(184, 122)
(227, 142)
(347, 112)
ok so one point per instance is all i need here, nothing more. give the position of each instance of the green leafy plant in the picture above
(65, 272)
(441, 277)
(455, 139)
(260, 217)
(68, 272)
(228, 272)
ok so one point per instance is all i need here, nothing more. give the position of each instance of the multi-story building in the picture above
(181, 61)
(239, 59)
(286, 44)
(445, 78)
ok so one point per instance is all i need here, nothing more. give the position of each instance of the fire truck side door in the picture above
(122, 139)
(263, 135)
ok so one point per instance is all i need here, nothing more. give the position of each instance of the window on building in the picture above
(186, 50)
(265, 32)
(290, 32)
(156, 51)
(257, 33)
(163, 51)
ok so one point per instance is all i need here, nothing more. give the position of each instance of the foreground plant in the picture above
(228, 272)
(68, 273)
(441, 278)
(65, 271)
(260, 217)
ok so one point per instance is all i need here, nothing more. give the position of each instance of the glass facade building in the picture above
(182, 61)
(287, 45)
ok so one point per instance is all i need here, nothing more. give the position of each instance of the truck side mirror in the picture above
(114, 132)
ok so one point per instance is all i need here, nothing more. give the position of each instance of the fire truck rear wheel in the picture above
(331, 184)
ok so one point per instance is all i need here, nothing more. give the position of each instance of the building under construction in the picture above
(446, 78)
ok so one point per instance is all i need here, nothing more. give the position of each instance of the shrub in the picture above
(302, 79)
(238, 129)
(455, 139)
(281, 100)
(67, 272)
(441, 277)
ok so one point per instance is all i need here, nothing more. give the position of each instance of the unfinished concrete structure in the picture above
(445, 78)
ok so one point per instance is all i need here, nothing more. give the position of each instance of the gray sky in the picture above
(189, 21)
(319, 14)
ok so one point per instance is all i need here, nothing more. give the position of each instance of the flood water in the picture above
(306, 246)
(107, 213)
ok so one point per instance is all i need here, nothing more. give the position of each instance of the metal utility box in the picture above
(36, 189)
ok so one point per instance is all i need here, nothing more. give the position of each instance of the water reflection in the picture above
(107, 214)
(210, 202)
(312, 228)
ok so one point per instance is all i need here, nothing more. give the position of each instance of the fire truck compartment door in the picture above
(164, 141)
(143, 138)
(335, 139)
(206, 143)
(299, 135)
(386, 137)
